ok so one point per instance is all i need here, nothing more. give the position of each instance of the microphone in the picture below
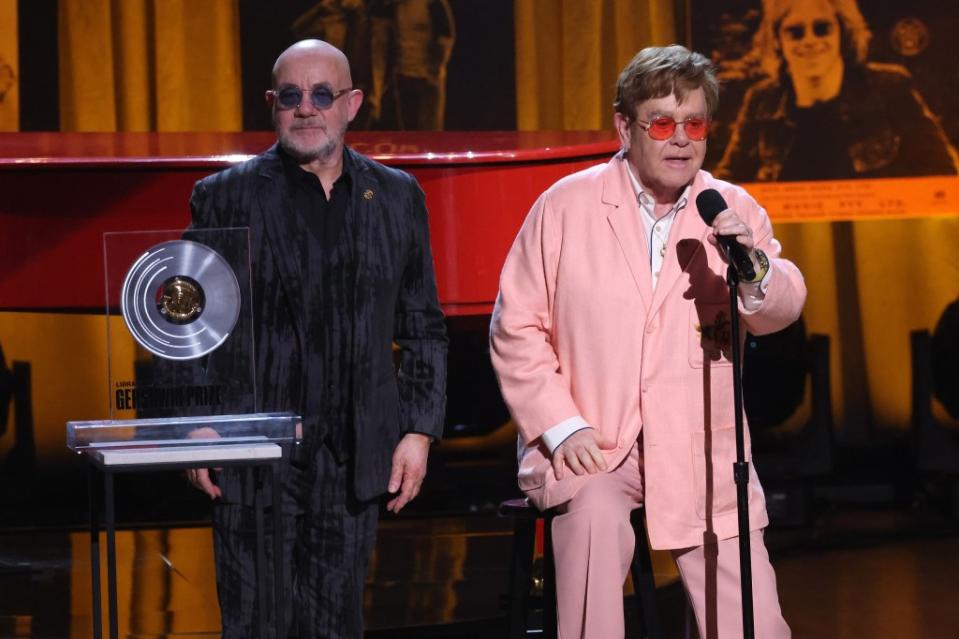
(710, 204)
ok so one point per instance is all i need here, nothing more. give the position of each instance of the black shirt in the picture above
(328, 271)
(323, 217)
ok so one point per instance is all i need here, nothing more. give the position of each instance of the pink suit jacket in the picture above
(579, 330)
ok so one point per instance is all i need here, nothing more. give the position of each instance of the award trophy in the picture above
(181, 381)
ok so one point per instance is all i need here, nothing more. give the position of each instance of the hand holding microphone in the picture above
(731, 234)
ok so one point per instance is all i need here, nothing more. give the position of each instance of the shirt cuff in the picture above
(753, 293)
(561, 431)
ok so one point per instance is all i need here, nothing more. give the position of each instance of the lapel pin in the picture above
(367, 194)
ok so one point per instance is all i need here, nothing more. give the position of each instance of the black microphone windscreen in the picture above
(710, 204)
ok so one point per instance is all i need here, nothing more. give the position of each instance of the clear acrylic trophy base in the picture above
(183, 441)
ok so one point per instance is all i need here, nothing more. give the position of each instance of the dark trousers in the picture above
(328, 538)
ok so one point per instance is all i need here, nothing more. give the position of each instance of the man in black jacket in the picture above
(341, 270)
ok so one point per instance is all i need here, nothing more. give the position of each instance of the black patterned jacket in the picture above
(395, 300)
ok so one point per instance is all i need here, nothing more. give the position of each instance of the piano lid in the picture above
(204, 149)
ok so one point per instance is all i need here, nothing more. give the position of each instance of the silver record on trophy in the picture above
(180, 300)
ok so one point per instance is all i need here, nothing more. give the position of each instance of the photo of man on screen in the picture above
(820, 109)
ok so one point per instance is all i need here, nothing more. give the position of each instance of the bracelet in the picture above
(763, 266)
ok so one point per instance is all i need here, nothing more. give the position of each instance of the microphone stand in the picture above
(741, 467)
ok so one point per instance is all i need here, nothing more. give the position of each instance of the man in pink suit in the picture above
(611, 340)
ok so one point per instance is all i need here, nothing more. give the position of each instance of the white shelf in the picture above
(197, 454)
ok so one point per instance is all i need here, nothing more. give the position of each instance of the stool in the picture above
(524, 516)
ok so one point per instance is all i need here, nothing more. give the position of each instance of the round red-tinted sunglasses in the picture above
(663, 128)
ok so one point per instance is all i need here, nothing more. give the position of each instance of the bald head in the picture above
(315, 76)
(306, 52)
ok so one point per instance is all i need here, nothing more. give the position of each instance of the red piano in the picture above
(61, 192)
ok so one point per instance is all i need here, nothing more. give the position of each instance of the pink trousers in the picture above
(593, 547)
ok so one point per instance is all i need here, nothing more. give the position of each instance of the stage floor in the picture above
(855, 574)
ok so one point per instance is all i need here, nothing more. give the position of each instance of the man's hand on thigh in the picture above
(582, 452)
